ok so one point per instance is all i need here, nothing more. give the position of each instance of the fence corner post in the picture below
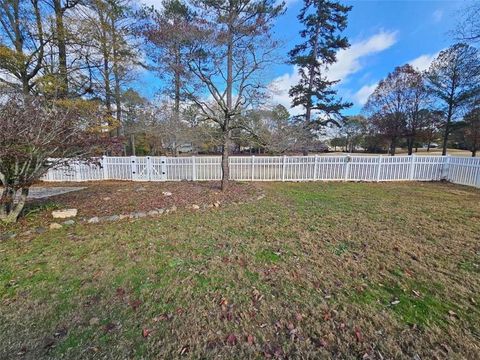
(284, 166)
(379, 169)
(445, 168)
(411, 174)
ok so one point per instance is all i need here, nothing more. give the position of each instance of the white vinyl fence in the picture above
(460, 170)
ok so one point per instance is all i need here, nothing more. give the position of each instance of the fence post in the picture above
(194, 169)
(133, 162)
(104, 167)
(379, 169)
(445, 168)
(148, 166)
(253, 166)
(284, 165)
(412, 167)
(347, 167)
(163, 168)
(315, 168)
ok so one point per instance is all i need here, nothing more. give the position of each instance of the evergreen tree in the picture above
(324, 21)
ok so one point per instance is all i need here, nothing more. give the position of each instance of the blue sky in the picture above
(383, 34)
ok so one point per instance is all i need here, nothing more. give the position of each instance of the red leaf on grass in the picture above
(358, 335)
(250, 339)
(146, 333)
(231, 340)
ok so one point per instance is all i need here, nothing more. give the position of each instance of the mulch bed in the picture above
(114, 197)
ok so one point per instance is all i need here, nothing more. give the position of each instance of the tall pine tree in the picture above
(323, 22)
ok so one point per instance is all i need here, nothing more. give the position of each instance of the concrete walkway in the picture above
(45, 192)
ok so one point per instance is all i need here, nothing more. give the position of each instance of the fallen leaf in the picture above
(250, 339)
(358, 335)
(146, 333)
(135, 304)
(231, 340)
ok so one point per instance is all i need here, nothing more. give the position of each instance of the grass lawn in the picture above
(343, 270)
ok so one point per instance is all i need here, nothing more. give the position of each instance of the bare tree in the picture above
(230, 46)
(22, 43)
(453, 79)
(54, 133)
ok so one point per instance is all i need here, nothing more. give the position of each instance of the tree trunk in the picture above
(9, 210)
(225, 166)
(447, 126)
(226, 127)
(393, 146)
(62, 48)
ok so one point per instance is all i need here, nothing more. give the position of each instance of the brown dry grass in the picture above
(338, 270)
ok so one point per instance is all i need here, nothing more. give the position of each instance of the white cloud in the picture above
(349, 62)
(437, 15)
(423, 62)
(361, 96)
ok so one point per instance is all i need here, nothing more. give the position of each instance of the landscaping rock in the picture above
(139, 214)
(64, 214)
(112, 218)
(40, 230)
(195, 207)
(216, 203)
(166, 193)
(93, 220)
(152, 213)
(55, 226)
(7, 236)
(68, 222)
(124, 216)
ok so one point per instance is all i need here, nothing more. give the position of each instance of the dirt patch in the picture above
(114, 197)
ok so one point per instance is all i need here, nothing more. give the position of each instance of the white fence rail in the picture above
(460, 170)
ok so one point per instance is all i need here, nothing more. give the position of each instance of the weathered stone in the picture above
(40, 230)
(112, 218)
(93, 220)
(8, 236)
(216, 203)
(54, 226)
(139, 214)
(123, 216)
(68, 222)
(152, 213)
(166, 193)
(195, 207)
(64, 214)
